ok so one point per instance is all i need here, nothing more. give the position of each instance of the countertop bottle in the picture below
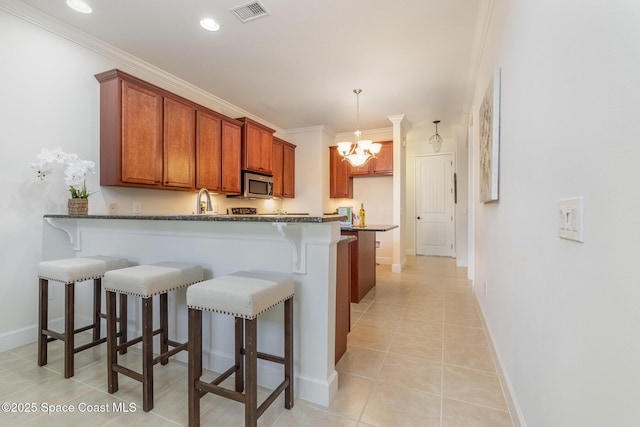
(361, 214)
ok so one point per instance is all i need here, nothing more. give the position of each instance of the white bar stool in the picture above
(145, 281)
(70, 271)
(244, 295)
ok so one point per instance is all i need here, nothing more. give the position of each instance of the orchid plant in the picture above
(75, 172)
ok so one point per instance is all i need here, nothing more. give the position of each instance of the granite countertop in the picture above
(371, 227)
(212, 217)
(347, 239)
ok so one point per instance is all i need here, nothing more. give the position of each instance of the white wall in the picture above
(310, 147)
(564, 315)
(49, 98)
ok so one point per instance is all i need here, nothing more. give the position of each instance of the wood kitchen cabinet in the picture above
(208, 152)
(152, 138)
(130, 133)
(218, 153)
(343, 296)
(340, 180)
(179, 144)
(283, 160)
(147, 136)
(363, 263)
(231, 160)
(257, 141)
(382, 165)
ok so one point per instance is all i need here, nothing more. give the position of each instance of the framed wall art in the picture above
(489, 118)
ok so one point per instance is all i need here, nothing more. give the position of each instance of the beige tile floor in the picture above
(417, 356)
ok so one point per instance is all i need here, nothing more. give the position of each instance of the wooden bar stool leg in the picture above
(195, 365)
(69, 334)
(112, 348)
(43, 322)
(97, 308)
(164, 327)
(147, 354)
(251, 362)
(123, 321)
(239, 359)
(288, 352)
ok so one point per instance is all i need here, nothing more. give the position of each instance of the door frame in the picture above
(415, 204)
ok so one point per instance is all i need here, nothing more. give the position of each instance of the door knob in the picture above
(419, 218)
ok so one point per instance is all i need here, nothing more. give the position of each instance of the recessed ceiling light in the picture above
(209, 24)
(79, 6)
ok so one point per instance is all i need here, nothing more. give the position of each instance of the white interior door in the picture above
(434, 205)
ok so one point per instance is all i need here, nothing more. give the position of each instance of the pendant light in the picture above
(436, 140)
(361, 151)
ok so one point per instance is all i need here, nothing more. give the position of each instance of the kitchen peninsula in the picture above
(303, 246)
(363, 257)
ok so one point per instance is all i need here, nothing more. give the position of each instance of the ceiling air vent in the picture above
(249, 11)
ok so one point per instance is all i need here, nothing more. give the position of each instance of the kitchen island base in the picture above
(305, 249)
(363, 258)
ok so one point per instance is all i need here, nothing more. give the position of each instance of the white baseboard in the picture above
(28, 335)
(384, 260)
(509, 394)
(397, 268)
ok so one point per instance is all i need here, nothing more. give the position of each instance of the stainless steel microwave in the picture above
(255, 186)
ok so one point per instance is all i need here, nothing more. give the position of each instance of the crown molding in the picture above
(128, 62)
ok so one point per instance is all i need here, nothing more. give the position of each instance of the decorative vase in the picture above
(78, 206)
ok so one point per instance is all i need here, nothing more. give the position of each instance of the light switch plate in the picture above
(570, 219)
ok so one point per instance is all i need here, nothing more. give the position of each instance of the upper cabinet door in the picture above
(208, 151)
(231, 157)
(179, 144)
(252, 148)
(266, 152)
(141, 135)
(360, 170)
(284, 168)
(289, 171)
(257, 142)
(383, 163)
(340, 181)
(278, 167)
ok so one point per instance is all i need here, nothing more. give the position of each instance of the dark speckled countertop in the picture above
(347, 239)
(373, 227)
(214, 217)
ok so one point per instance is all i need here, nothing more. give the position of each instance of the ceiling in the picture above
(298, 66)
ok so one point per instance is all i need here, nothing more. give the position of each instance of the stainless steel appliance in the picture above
(242, 211)
(255, 186)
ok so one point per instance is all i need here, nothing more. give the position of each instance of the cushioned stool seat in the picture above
(145, 281)
(69, 271)
(244, 295)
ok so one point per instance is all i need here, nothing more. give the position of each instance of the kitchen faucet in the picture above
(199, 207)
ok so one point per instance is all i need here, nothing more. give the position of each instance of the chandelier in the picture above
(436, 140)
(362, 150)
